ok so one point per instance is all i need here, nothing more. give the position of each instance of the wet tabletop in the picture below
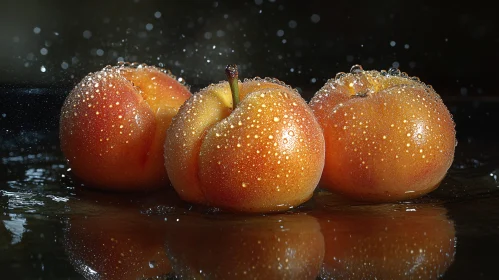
(53, 228)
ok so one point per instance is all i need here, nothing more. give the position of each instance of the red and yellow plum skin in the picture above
(113, 126)
(266, 155)
(388, 137)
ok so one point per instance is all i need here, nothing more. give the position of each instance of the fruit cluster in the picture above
(257, 145)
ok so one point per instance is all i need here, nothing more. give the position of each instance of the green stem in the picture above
(233, 76)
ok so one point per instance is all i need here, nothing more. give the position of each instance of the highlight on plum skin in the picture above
(113, 125)
(265, 155)
(388, 136)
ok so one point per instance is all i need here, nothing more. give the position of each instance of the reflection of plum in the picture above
(111, 241)
(264, 247)
(387, 242)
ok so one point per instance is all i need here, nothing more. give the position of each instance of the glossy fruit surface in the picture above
(113, 126)
(107, 237)
(386, 241)
(265, 155)
(388, 137)
(281, 246)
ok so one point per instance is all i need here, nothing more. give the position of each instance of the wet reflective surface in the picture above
(52, 228)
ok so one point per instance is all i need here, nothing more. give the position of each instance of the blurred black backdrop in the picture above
(56, 43)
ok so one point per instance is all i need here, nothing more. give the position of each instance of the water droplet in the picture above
(152, 264)
(356, 69)
(339, 75)
(315, 18)
(415, 79)
(276, 119)
(394, 71)
(87, 34)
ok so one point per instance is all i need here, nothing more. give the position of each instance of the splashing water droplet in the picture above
(356, 69)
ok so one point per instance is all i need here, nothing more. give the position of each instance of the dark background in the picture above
(454, 47)
(46, 47)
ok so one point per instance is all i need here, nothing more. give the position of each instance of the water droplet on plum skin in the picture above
(394, 71)
(356, 69)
